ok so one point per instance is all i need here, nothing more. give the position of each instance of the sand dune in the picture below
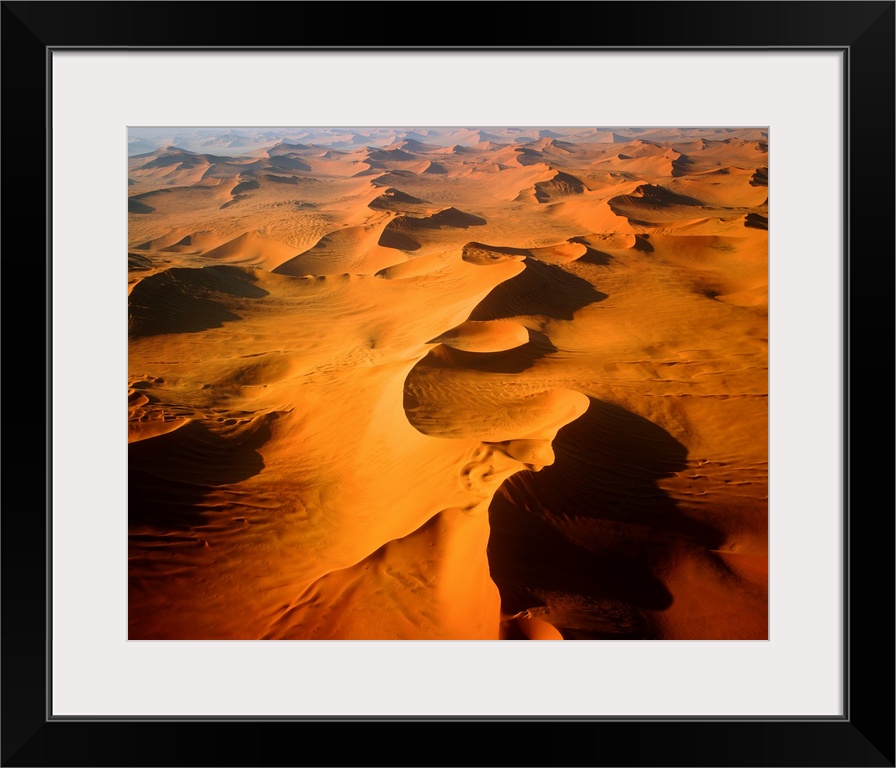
(725, 187)
(251, 249)
(285, 148)
(176, 166)
(181, 300)
(562, 253)
(494, 336)
(355, 250)
(590, 215)
(448, 383)
(649, 203)
(194, 243)
(560, 185)
(393, 199)
(173, 199)
(410, 233)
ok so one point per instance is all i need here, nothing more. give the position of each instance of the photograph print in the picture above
(448, 383)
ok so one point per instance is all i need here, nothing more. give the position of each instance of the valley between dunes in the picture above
(449, 384)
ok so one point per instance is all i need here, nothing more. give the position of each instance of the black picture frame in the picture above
(863, 736)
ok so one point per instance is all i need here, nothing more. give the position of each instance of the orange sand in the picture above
(452, 384)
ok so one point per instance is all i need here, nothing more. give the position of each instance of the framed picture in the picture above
(96, 674)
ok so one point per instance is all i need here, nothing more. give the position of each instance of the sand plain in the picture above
(449, 383)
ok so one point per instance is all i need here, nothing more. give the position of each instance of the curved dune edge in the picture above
(484, 336)
(562, 253)
(143, 430)
(538, 629)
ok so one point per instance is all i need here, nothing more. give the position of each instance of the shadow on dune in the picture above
(759, 177)
(642, 243)
(593, 256)
(540, 289)
(383, 158)
(245, 186)
(398, 240)
(392, 200)
(650, 196)
(452, 217)
(289, 162)
(170, 475)
(682, 166)
(561, 185)
(595, 526)
(138, 263)
(756, 221)
(183, 300)
(135, 206)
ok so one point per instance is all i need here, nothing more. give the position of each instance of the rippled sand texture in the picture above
(449, 384)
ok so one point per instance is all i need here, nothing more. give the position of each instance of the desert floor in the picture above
(449, 384)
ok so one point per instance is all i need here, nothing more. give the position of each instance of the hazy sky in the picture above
(230, 140)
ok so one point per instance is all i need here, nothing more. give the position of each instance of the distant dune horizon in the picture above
(448, 383)
(148, 139)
